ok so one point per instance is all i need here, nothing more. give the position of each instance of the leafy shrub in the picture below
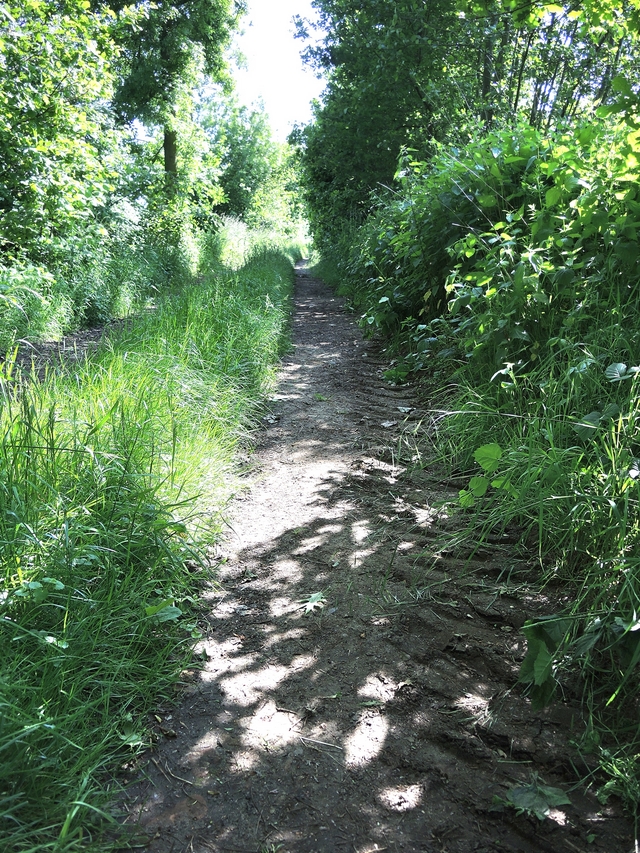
(513, 265)
(517, 238)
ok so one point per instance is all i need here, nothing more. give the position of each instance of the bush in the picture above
(512, 266)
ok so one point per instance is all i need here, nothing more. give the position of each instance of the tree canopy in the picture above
(171, 41)
(406, 74)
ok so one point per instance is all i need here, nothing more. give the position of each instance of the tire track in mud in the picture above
(384, 718)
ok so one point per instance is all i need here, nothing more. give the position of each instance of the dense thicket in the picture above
(473, 171)
(409, 73)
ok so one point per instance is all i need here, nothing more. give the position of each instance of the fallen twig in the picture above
(179, 778)
(321, 742)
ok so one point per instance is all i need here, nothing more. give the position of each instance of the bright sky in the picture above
(275, 72)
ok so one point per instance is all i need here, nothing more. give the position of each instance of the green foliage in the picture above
(385, 81)
(248, 155)
(535, 798)
(520, 234)
(509, 268)
(488, 457)
(259, 179)
(397, 78)
(158, 52)
(99, 471)
(277, 205)
(58, 151)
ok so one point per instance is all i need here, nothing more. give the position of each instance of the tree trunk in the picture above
(170, 153)
(487, 68)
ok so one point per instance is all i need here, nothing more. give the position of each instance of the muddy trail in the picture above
(355, 689)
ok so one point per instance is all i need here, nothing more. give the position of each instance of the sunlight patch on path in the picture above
(269, 728)
(366, 741)
(403, 798)
(248, 688)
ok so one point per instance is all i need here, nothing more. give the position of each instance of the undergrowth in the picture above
(112, 481)
(507, 271)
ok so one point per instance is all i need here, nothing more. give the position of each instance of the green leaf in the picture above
(617, 372)
(504, 483)
(552, 196)
(611, 410)
(316, 601)
(536, 799)
(544, 637)
(518, 278)
(466, 499)
(550, 629)
(627, 251)
(622, 85)
(478, 486)
(542, 665)
(132, 738)
(488, 457)
(165, 611)
(587, 426)
(587, 641)
(169, 614)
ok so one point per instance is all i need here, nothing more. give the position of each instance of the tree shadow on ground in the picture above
(355, 685)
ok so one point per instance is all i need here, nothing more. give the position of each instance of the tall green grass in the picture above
(565, 471)
(113, 477)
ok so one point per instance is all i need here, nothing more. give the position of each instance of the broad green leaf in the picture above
(541, 296)
(617, 372)
(611, 410)
(626, 250)
(504, 483)
(164, 611)
(622, 85)
(169, 614)
(466, 499)
(587, 426)
(542, 665)
(478, 486)
(552, 196)
(550, 630)
(587, 641)
(536, 799)
(488, 457)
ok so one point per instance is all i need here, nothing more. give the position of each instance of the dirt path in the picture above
(384, 720)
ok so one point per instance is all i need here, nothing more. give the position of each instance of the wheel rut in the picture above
(355, 683)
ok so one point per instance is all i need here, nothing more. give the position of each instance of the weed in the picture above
(535, 798)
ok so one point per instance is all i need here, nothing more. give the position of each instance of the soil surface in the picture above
(355, 689)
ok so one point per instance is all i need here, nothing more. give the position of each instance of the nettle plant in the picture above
(515, 239)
